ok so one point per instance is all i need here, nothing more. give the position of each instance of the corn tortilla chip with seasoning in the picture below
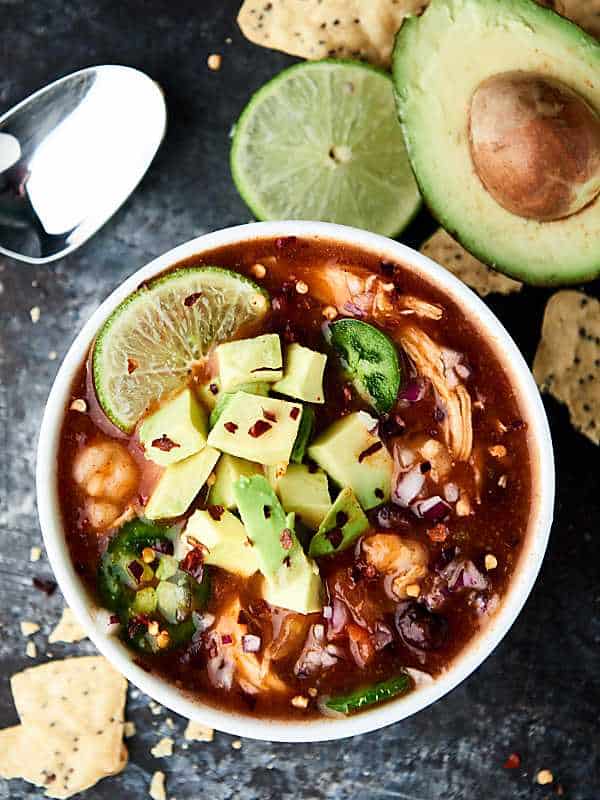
(441, 247)
(71, 731)
(567, 362)
(315, 29)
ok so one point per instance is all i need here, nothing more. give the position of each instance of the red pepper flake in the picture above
(347, 391)
(132, 365)
(164, 443)
(259, 427)
(231, 427)
(374, 448)
(341, 518)
(379, 493)
(227, 638)
(294, 413)
(214, 389)
(334, 537)
(114, 619)
(286, 539)
(439, 533)
(192, 299)
(44, 585)
(137, 625)
(193, 564)
(269, 415)
(216, 512)
(513, 761)
(267, 511)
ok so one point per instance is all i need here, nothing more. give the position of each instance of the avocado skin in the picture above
(417, 43)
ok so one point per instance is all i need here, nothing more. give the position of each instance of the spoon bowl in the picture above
(71, 154)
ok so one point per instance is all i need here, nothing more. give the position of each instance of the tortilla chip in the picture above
(567, 362)
(68, 629)
(316, 29)
(441, 247)
(71, 732)
(64, 765)
(157, 789)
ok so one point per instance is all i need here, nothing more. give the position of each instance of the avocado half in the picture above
(441, 59)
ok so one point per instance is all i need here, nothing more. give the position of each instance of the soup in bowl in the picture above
(295, 480)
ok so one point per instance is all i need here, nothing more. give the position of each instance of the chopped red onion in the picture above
(413, 391)
(463, 574)
(251, 643)
(462, 371)
(136, 569)
(327, 612)
(383, 635)
(319, 631)
(339, 618)
(407, 486)
(451, 492)
(226, 638)
(432, 509)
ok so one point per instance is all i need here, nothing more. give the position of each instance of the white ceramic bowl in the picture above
(523, 579)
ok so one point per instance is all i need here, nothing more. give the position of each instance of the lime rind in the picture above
(149, 344)
(281, 163)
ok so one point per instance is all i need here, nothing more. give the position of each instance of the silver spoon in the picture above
(71, 154)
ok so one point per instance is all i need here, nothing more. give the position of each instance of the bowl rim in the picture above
(467, 661)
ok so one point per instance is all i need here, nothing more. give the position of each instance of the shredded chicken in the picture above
(407, 304)
(428, 358)
(402, 561)
(227, 660)
(108, 475)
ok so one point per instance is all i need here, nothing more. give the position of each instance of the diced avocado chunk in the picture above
(305, 431)
(353, 455)
(167, 567)
(225, 539)
(250, 361)
(180, 483)
(292, 580)
(304, 492)
(303, 374)
(261, 429)
(261, 389)
(370, 358)
(344, 522)
(210, 392)
(177, 430)
(229, 469)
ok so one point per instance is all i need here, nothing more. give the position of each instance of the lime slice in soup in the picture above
(321, 141)
(150, 343)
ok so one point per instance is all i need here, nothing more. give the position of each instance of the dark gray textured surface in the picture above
(539, 694)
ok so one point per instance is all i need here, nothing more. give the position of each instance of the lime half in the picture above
(149, 344)
(321, 141)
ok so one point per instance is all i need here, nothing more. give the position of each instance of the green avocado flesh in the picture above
(440, 59)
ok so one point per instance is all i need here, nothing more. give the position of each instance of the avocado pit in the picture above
(535, 145)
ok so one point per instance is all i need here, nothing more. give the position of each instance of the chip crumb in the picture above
(35, 554)
(497, 450)
(544, 777)
(157, 789)
(52, 355)
(68, 629)
(330, 312)
(236, 744)
(169, 723)
(301, 287)
(503, 481)
(258, 270)
(155, 708)
(413, 590)
(79, 405)
(163, 748)
(129, 729)
(31, 650)
(34, 313)
(441, 247)
(29, 628)
(214, 61)
(196, 732)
